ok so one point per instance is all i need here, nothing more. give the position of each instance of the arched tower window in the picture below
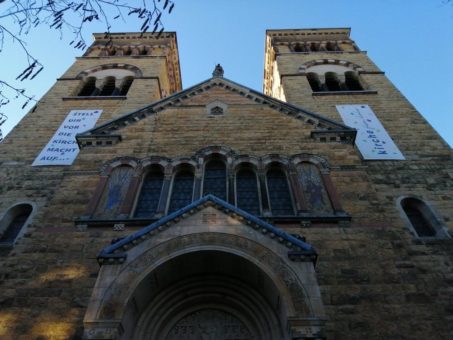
(419, 216)
(126, 85)
(299, 48)
(247, 197)
(182, 191)
(352, 81)
(127, 51)
(332, 81)
(315, 194)
(112, 79)
(109, 88)
(89, 87)
(338, 75)
(314, 81)
(148, 199)
(115, 192)
(314, 47)
(278, 191)
(13, 222)
(215, 179)
(331, 46)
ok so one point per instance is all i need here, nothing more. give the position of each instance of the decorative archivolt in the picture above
(222, 152)
(344, 63)
(111, 69)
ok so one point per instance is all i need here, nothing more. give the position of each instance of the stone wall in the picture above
(377, 280)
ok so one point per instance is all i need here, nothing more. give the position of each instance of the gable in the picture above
(230, 93)
(213, 215)
(217, 93)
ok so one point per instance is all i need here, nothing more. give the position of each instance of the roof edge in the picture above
(117, 252)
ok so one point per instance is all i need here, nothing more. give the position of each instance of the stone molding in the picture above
(301, 307)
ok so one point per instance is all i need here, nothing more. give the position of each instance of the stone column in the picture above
(165, 191)
(197, 184)
(263, 193)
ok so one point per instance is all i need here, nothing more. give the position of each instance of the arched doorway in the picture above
(207, 295)
(209, 271)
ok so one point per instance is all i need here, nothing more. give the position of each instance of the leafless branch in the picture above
(20, 17)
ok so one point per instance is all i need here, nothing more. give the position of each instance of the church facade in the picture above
(131, 208)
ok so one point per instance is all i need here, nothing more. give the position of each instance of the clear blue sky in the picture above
(412, 41)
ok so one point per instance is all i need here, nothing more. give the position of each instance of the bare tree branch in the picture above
(20, 17)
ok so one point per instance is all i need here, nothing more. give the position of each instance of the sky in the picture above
(411, 41)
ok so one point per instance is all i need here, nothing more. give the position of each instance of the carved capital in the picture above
(103, 331)
(306, 329)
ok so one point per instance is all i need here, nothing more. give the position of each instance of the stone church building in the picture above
(131, 208)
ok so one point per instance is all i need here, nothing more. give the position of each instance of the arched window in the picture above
(182, 191)
(299, 48)
(352, 81)
(247, 197)
(13, 222)
(331, 46)
(278, 191)
(214, 179)
(148, 199)
(314, 81)
(315, 194)
(314, 47)
(332, 81)
(109, 89)
(127, 51)
(89, 88)
(338, 76)
(115, 192)
(126, 85)
(420, 217)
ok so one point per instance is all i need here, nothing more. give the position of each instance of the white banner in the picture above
(372, 139)
(62, 148)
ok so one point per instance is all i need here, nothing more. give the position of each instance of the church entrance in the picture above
(208, 295)
(225, 279)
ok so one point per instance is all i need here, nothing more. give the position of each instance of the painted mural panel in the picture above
(115, 192)
(315, 193)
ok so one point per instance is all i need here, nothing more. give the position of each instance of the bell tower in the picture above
(302, 63)
(114, 62)
(323, 70)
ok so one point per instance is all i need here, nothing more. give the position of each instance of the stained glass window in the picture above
(315, 194)
(279, 195)
(115, 192)
(215, 179)
(247, 191)
(148, 200)
(182, 190)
